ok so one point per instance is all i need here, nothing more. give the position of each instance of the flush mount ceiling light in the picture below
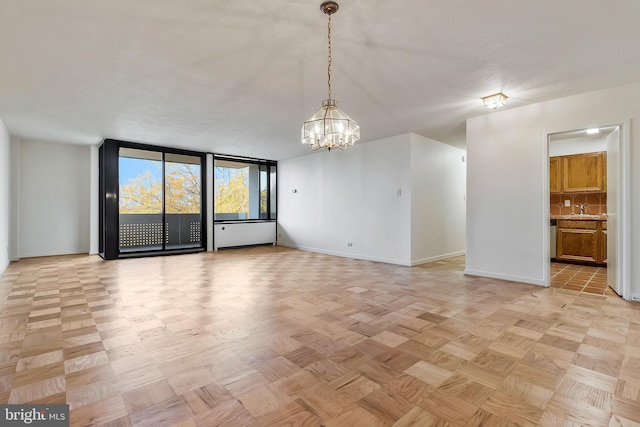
(330, 128)
(494, 101)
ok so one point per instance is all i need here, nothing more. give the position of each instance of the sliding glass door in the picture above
(183, 200)
(151, 200)
(141, 199)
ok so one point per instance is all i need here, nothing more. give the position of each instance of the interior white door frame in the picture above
(623, 232)
(624, 209)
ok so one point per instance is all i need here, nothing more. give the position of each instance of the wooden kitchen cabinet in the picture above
(555, 175)
(578, 173)
(581, 241)
(584, 173)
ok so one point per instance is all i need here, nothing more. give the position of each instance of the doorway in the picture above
(599, 211)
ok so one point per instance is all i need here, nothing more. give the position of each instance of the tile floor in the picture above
(580, 278)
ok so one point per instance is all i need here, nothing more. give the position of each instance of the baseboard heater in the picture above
(233, 234)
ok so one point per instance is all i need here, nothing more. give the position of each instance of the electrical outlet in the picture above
(350, 244)
(567, 203)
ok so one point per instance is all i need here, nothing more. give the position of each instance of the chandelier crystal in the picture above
(330, 127)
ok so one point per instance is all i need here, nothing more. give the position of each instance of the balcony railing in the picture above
(145, 232)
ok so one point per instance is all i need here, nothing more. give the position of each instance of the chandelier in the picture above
(330, 128)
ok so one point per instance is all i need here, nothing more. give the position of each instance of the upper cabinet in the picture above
(578, 173)
(555, 175)
(583, 173)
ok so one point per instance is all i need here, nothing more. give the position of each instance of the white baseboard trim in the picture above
(347, 255)
(527, 280)
(53, 253)
(635, 297)
(437, 258)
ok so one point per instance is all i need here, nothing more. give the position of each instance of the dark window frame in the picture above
(109, 179)
(254, 161)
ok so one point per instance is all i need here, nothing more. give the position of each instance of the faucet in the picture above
(582, 207)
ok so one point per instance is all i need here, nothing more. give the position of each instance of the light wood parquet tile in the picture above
(466, 389)
(385, 405)
(322, 402)
(357, 417)
(512, 409)
(272, 336)
(291, 414)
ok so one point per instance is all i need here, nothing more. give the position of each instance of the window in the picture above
(244, 189)
(182, 201)
(140, 202)
(151, 199)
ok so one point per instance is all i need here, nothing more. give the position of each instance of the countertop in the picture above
(601, 217)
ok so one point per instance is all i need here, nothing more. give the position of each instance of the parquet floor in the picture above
(272, 336)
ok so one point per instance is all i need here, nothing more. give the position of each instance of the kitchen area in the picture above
(578, 206)
(578, 231)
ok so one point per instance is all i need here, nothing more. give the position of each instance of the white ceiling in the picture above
(240, 76)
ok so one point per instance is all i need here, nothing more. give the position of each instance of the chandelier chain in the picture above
(329, 62)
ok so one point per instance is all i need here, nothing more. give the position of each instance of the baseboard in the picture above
(53, 253)
(437, 258)
(635, 297)
(527, 280)
(347, 255)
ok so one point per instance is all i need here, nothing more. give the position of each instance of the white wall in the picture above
(567, 147)
(398, 200)
(438, 206)
(94, 203)
(329, 199)
(4, 196)
(54, 199)
(506, 180)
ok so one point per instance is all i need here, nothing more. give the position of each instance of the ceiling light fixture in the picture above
(593, 131)
(496, 100)
(330, 128)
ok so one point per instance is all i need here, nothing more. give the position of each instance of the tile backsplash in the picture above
(595, 203)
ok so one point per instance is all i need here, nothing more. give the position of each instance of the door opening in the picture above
(588, 181)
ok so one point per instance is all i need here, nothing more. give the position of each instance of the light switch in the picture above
(567, 203)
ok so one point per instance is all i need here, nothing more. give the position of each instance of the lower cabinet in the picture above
(581, 241)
